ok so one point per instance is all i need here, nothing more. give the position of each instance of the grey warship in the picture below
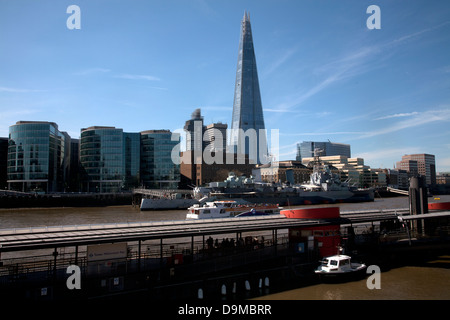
(324, 186)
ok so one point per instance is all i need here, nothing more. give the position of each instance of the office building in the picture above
(397, 178)
(109, 159)
(422, 164)
(306, 149)
(38, 157)
(3, 162)
(205, 158)
(215, 137)
(199, 172)
(158, 171)
(74, 176)
(194, 131)
(290, 171)
(113, 160)
(102, 159)
(248, 134)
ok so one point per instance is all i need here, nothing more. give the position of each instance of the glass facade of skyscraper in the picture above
(306, 149)
(248, 120)
(132, 154)
(38, 156)
(102, 158)
(157, 168)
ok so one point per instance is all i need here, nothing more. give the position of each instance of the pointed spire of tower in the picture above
(247, 107)
(246, 16)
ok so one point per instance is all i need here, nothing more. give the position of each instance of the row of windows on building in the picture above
(41, 158)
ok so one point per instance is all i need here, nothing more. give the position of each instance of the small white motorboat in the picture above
(339, 265)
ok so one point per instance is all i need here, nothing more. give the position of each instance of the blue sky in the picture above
(141, 65)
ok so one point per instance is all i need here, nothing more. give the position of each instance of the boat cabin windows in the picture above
(336, 263)
(206, 211)
(227, 204)
(345, 262)
(223, 211)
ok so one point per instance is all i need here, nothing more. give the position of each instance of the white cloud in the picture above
(395, 153)
(443, 164)
(322, 133)
(137, 77)
(87, 72)
(18, 90)
(277, 110)
(357, 62)
(398, 115)
(278, 62)
(418, 119)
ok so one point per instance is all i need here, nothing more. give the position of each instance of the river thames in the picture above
(429, 280)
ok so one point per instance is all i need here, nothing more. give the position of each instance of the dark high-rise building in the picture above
(248, 121)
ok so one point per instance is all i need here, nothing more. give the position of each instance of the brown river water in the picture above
(430, 280)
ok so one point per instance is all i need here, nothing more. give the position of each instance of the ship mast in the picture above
(316, 162)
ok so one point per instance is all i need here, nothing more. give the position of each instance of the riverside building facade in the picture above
(38, 157)
(158, 171)
(102, 159)
(113, 161)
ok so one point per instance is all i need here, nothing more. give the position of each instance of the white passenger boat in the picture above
(338, 266)
(229, 208)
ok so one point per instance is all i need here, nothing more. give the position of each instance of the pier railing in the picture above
(160, 193)
(181, 255)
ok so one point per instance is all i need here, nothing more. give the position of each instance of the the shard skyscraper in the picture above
(248, 133)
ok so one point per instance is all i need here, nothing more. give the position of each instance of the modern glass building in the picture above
(132, 154)
(158, 171)
(248, 120)
(102, 159)
(3, 162)
(38, 157)
(306, 149)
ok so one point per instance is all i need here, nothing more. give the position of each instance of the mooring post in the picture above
(76, 255)
(55, 254)
(139, 255)
(161, 251)
(418, 201)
